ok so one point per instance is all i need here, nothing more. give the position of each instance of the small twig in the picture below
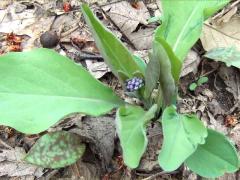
(5, 144)
(51, 174)
(64, 34)
(159, 174)
(225, 10)
(209, 72)
(81, 56)
(234, 107)
(214, 83)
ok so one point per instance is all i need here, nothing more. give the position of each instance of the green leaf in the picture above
(182, 134)
(230, 56)
(182, 22)
(131, 128)
(141, 63)
(176, 64)
(202, 80)
(152, 75)
(114, 52)
(214, 158)
(56, 150)
(40, 87)
(193, 86)
(160, 63)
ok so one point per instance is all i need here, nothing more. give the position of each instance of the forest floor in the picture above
(216, 102)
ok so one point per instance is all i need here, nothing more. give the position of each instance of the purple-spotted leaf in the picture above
(56, 150)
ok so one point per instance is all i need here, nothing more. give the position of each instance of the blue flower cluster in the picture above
(134, 84)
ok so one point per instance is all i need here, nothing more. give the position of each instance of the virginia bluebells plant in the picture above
(134, 84)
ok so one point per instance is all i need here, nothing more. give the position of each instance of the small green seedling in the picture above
(202, 80)
(40, 87)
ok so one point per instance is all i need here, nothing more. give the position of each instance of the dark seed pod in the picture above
(49, 39)
(134, 84)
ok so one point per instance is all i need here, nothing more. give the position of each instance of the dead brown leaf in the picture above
(190, 63)
(30, 22)
(223, 35)
(11, 164)
(235, 135)
(130, 20)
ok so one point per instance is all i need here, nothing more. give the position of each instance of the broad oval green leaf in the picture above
(214, 158)
(230, 56)
(182, 22)
(56, 150)
(182, 134)
(131, 128)
(116, 55)
(40, 87)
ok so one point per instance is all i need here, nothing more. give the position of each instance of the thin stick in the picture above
(5, 144)
(159, 174)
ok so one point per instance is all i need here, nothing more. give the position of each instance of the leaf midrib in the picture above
(184, 28)
(218, 157)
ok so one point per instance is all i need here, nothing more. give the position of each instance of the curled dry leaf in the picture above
(99, 133)
(191, 63)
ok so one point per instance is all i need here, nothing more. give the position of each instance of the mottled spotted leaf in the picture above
(55, 150)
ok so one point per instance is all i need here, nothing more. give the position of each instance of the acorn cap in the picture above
(49, 39)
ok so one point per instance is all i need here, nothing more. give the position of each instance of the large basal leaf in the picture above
(116, 55)
(56, 150)
(131, 128)
(40, 87)
(182, 22)
(214, 158)
(160, 58)
(182, 134)
(230, 56)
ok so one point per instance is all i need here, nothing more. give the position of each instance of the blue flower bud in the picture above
(134, 84)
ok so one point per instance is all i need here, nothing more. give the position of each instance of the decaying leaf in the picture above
(128, 19)
(97, 69)
(30, 23)
(231, 78)
(99, 132)
(235, 135)
(224, 35)
(190, 63)
(11, 164)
